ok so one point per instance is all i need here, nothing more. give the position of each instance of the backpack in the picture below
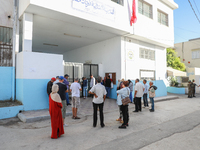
(155, 87)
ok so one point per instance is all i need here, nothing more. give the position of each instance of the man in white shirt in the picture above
(99, 93)
(75, 88)
(139, 89)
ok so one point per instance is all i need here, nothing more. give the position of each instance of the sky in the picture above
(186, 25)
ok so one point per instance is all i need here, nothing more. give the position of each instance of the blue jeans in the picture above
(85, 91)
(145, 100)
(108, 91)
(152, 102)
(67, 98)
(131, 97)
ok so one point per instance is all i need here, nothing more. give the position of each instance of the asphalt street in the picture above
(175, 125)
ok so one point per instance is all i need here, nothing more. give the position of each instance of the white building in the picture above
(94, 31)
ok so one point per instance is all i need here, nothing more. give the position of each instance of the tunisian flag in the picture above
(133, 17)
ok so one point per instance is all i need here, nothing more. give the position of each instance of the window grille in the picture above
(147, 54)
(162, 18)
(196, 54)
(145, 9)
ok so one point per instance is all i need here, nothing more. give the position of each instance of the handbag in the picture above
(126, 100)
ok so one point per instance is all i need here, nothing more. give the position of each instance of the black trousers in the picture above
(95, 107)
(124, 109)
(138, 106)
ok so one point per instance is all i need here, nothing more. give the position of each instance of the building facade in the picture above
(49, 33)
(189, 52)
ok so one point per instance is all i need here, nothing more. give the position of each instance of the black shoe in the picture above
(194, 96)
(135, 111)
(127, 125)
(94, 126)
(151, 110)
(122, 127)
(69, 104)
(103, 125)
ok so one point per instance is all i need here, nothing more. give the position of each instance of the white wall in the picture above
(131, 68)
(6, 9)
(151, 29)
(107, 53)
(31, 65)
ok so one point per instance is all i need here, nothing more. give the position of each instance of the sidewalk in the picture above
(85, 109)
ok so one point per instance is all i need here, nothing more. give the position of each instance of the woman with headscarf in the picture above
(55, 106)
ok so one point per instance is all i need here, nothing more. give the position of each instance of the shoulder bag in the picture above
(126, 100)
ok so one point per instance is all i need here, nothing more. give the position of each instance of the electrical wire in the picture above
(188, 30)
(194, 11)
(196, 7)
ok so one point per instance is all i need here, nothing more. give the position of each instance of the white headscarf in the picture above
(54, 95)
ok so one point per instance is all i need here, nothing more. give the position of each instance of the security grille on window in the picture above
(147, 54)
(162, 18)
(145, 9)
(196, 54)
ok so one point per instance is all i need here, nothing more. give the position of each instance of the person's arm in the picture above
(135, 91)
(92, 92)
(104, 98)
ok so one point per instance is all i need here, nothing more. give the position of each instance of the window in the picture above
(195, 54)
(145, 9)
(147, 54)
(162, 18)
(121, 2)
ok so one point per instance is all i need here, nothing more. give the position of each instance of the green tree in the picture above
(173, 61)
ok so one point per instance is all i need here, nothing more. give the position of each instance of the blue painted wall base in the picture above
(161, 91)
(9, 112)
(176, 90)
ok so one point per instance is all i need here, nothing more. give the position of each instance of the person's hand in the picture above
(95, 96)
(134, 96)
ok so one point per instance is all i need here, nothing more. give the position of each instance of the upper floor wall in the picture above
(6, 13)
(155, 21)
(111, 16)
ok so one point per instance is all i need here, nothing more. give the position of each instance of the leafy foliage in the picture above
(173, 81)
(173, 61)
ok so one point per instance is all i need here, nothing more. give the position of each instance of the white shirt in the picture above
(100, 91)
(75, 87)
(92, 82)
(139, 88)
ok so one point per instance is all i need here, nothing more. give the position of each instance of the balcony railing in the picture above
(121, 2)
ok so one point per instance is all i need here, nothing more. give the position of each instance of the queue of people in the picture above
(58, 88)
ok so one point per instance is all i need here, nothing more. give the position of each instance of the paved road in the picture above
(174, 125)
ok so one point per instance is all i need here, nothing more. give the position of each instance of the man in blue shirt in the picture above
(67, 84)
(146, 87)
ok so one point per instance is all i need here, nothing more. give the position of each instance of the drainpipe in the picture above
(14, 46)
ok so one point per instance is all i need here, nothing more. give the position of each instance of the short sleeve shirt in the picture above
(100, 91)
(139, 88)
(75, 87)
(62, 89)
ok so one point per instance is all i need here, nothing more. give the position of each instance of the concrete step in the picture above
(38, 115)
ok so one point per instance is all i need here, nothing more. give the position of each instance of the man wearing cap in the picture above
(49, 85)
(62, 92)
(67, 84)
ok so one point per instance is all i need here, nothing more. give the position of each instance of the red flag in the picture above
(133, 17)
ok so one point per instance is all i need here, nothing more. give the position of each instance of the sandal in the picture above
(73, 117)
(119, 119)
(77, 117)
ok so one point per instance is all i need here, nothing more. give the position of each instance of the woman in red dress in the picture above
(55, 106)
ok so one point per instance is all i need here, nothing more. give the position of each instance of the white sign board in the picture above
(147, 74)
(95, 7)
